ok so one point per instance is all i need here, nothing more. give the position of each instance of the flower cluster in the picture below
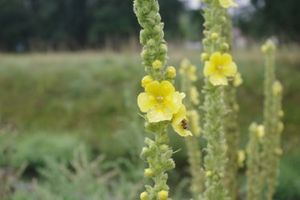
(161, 102)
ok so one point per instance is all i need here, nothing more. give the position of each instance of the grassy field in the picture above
(52, 103)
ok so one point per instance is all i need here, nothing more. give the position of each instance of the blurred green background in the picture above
(69, 75)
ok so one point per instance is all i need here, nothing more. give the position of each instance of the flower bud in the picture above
(157, 64)
(214, 36)
(163, 195)
(144, 196)
(171, 72)
(148, 173)
(146, 80)
(204, 57)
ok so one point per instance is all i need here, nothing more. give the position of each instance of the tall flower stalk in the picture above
(263, 162)
(188, 74)
(160, 102)
(218, 68)
(272, 122)
(231, 126)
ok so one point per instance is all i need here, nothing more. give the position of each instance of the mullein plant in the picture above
(271, 151)
(160, 102)
(263, 161)
(188, 77)
(219, 70)
(231, 127)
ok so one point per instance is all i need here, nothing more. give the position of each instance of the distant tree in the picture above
(274, 17)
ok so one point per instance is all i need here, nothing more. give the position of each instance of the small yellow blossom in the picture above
(237, 81)
(144, 196)
(160, 101)
(277, 88)
(260, 131)
(219, 67)
(146, 80)
(163, 195)
(228, 3)
(194, 121)
(171, 72)
(241, 158)
(180, 122)
(148, 173)
(157, 64)
(194, 95)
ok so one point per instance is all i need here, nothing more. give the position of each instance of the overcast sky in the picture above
(194, 4)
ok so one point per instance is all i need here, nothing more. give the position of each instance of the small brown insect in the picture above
(184, 124)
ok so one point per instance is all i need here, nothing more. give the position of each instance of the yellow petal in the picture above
(157, 115)
(217, 79)
(153, 88)
(209, 69)
(174, 102)
(226, 59)
(145, 102)
(177, 123)
(166, 88)
(216, 58)
(230, 70)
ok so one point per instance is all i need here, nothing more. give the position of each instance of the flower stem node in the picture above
(157, 64)
(163, 195)
(144, 196)
(170, 72)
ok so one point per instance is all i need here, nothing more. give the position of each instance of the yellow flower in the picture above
(160, 101)
(157, 64)
(163, 195)
(194, 95)
(219, 67)
(194, 121)
(180, 122)
(237, 81)
(228, 3)
(146, 80)
(171, 72)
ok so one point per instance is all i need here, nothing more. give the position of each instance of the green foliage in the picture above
(85, 179)
(34, 149)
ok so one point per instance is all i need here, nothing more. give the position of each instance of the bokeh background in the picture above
(69, 77)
